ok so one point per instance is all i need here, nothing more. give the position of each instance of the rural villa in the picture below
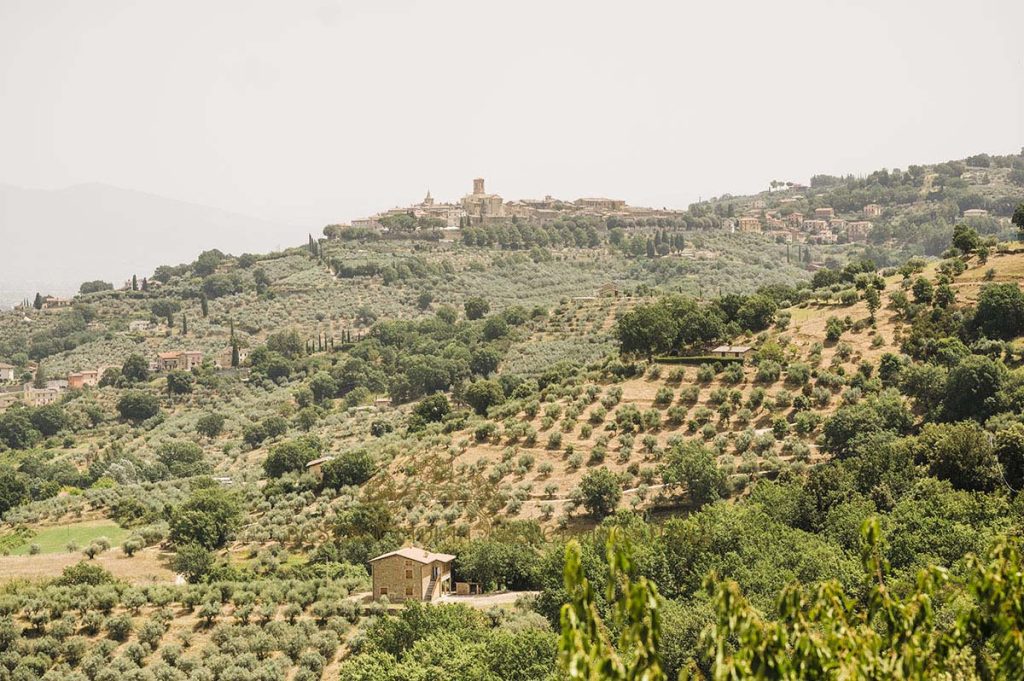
(411, 574)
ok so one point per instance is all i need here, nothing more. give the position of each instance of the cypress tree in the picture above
(204, 305)
(145, 284)
(135, 283)
(234, 353)
(184, 324)
(38, 302)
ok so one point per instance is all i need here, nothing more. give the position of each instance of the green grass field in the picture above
(55, 539)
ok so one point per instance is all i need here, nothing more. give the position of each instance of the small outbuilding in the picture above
(316, 466)
(412, 574)
(732, 351)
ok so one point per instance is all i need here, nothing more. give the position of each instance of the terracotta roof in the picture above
(169, 355)
(416, 554)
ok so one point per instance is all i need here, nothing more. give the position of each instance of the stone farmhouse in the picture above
(6, 372)
(411, 574)
(184, 360)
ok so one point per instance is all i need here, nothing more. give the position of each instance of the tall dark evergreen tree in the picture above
(38, 302)
(204, 305)
(135, 283)
(184, 324)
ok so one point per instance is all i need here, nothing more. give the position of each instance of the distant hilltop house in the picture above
(824, 213)
(184, 360)
(873, 210)
(815, 226)
(81, 379)
(224, 358)
(858, 230)
(795, 219)
(748, 224)
(975, 213)
(733, 351)
(53, 302)
(6, 372)
(40, 397)
(411, 574)
(137, 325)
(601, 204)
(608, 289)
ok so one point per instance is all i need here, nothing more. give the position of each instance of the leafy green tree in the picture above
(873, 301)
(647, 330)
(833, 329)
(183, 459)
(292, 456)
(95, 287)
(207, 518)
(961, 453)
(757, 313)
(484, 361)
(165, 308)
(136, 405)
(1000, 311)
(180, 382)
(424, 299)
(476, 308)
(923, 290)
(353, 467)
(600, 491)
(883, 412)
(16, 430)
(1009, 450)
(1018, 217)
(135, 369)
(495, 328)
(207, 262)
(323, 387)
(694, 467)
(193, 561)
(482, 395)
(210, 425)
(13, 488)
(433, 408)
(49, 419)
(965, 238)
(286, 343)
(973, 388)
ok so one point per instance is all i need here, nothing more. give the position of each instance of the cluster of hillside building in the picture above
(13, 390)
(481, 208)
(823, 226)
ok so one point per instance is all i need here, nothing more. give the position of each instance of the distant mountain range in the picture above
(51, 241)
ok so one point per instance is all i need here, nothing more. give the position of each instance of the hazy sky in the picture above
(317, 111)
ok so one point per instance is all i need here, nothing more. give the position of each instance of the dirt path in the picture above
(485, 601)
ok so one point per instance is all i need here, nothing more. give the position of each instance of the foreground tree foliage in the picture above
(944, 627)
